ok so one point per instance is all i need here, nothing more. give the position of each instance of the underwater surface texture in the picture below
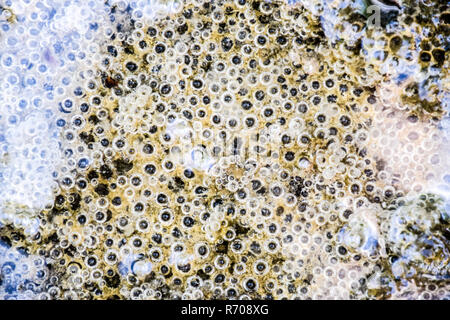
(224, 149)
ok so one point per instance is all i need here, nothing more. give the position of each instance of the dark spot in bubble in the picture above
(160, 48)
(188, 222)
(250, 284)
(197, 84)
(236, 60)
(226, 44)
(132, 83)
(165, 89)
(188, 173)
(412, 118)
(150, 169)
(289, 156)
(246, 105)
(75, 204)
(60, 199)
(355, 188)
(425, 57)
(184, 268)
(142, 44)
(388, 193)
(281, 40)
(161, 198)
(104, 142)
(112, 51)
(168, 34)
(182, 29)
(131, 66)
(200, 190)
(116, 201)
(84, 107)
(345, 121)
(268, 112)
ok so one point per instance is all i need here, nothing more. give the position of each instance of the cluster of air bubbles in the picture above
(409, 153)
(42, 44)
(23, 275)
(231, 150)
(417, 233)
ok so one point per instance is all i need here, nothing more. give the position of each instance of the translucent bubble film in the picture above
(224, 149)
